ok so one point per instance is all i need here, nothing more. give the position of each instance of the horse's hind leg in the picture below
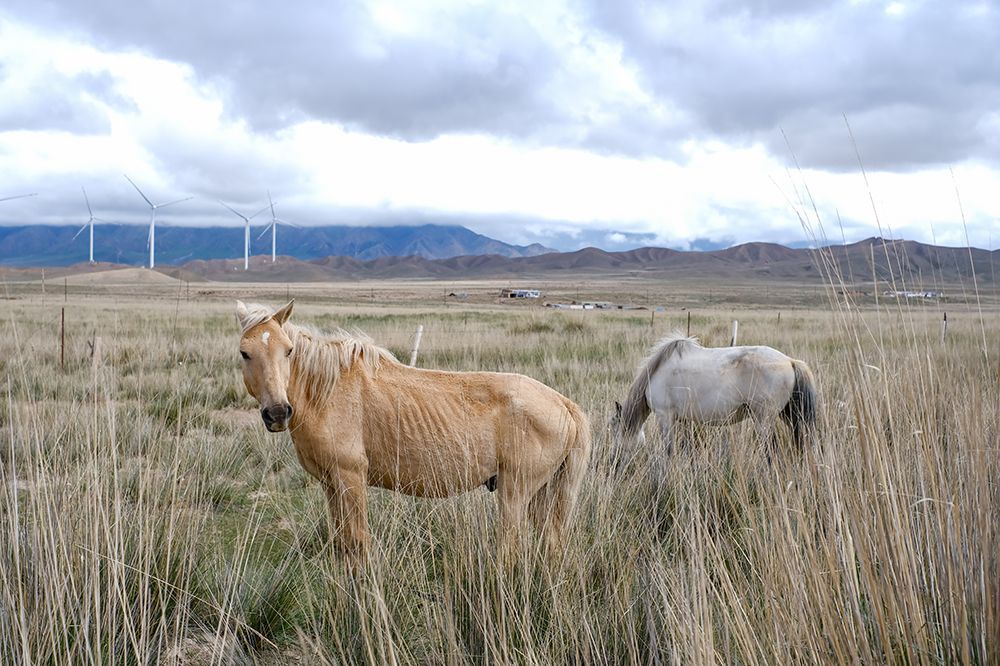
(542, 510)
(516, 489)
(767, 434)
(552, 505)
(513, 505)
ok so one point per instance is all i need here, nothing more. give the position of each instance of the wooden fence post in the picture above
(416, 344)
(736, 330)
(944, 328)
(689, 324)
(95, 351)
(62, 338)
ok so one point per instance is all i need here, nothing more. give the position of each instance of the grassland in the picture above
(146, 516)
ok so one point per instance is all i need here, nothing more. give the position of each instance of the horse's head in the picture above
(623, 442)
(266, 350)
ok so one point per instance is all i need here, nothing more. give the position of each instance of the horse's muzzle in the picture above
(276, 417)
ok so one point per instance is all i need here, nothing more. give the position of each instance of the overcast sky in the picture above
(566, 123)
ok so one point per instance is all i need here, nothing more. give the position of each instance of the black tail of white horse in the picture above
(800, 412)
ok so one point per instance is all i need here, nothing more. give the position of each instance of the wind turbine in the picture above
(273, 227)
(89, 223)
(246, 231)
(151, 241)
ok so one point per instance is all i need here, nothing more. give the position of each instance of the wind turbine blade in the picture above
(174, 202)
(20, 196)
(85, 198)
(266, 229)
(232, 210)
(139, 191)
(80, 231)
(287, 223)
(259, 212)
(270, 202)
(149, 237)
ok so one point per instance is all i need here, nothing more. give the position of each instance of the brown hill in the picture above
(907, 263)
(284, 269)
(759, 253)
(103, 273)
(903, 263)
(910, 262)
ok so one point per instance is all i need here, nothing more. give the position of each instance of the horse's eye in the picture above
(290, 351)
(246, 356)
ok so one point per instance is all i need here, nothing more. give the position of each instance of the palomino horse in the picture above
(684, 382)
(359, 418)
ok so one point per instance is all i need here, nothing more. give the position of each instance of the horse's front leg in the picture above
(666, 422)
(347, 499)
(659, 463)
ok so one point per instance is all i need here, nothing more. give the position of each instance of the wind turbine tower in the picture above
(246, 231)
(273, 227)
(89, 223)
(152, 220)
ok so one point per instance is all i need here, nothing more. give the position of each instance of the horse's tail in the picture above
(552, 507)
(800, 412)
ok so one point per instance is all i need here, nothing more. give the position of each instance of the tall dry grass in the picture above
(145, 516)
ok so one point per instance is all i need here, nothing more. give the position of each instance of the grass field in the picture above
(146, 515)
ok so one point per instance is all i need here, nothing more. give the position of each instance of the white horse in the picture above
(684, 382)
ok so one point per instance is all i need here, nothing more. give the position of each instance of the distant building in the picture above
(912, 294)
(599, 305)
(520, 293)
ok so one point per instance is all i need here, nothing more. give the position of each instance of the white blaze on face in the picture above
(265, 337)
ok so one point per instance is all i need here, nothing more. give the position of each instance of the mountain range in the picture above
(43, 245)
(910, 263)
(451, 252)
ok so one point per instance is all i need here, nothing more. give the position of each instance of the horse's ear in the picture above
(282, 315)
(241, 313)
(618, 408)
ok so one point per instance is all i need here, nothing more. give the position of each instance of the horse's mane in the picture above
(319, 358)
(635, 410)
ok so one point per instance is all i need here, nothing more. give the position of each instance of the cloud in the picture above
(70, 103)
(917, 82)
(408, 71)
(563, 122)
